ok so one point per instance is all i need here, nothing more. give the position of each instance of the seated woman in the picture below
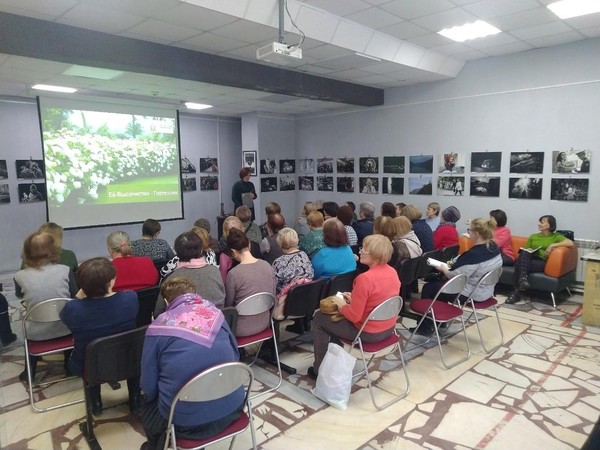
(41, 279)
(445, 235)
(336, 257)
(208, 254)
(312, 241)
(175, 350)
(98, 311)
(213, 244)
(502, 237)
(193, 266)
(249, 277)
(480, 259)
(301, 225)
(66, 257)
(133, 272)
(405, 241)
(344, 215)
(294, 263)
(250, 228)
(226, 260)
(419, 226)
(388, 209)
(150, 245)
(371, 288)
(542, 243)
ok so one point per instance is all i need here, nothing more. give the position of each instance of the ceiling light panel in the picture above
(469, 31)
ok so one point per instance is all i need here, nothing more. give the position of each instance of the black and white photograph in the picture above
(306, 166)
(368, 185)
(32, 192)
(420, 185)
(569, 189)
(571, 161)
(392, 185)
(486, 162)
(209, 183)
(485, 187)
(188, 184)
(3, 169)
(370, 164)
(30, 169)
(324, 165)
(421, 164)
(345, 165)
(209, 165)
(345, 184)
(451, 186)
(187, 166)
(268, 184)
(4, 193)
(325, 184)
(287, 183)
(393, 164)
(306, 183)
(287, 166)
(451, 163)
(249, 161)
(525, 188)
(526, 162)
(268, 166)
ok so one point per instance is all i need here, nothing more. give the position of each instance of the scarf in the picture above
(194, 263)
(189, 317)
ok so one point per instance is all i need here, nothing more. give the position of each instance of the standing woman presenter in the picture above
(243, 192)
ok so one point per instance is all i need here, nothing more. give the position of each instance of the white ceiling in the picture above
(401, 34)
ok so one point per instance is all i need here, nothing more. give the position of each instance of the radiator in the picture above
(584, 246)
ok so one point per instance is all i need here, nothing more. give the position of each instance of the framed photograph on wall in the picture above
(32, 192)
(249, 161)
(3, 170)
(208, 165)
(345, 184)
(451, 163)
(525, 188)
(306, 183)
(209, 183)
(325, 165)
(287, 166)
(370, 164)
(421, 164)
(4, 193)
(526, 162)
(393, 164)
(30, 169)
(268, 166)
(392, 185)
(306, 166)
(485, 162)
(188, 184)
(268, 184)
(368, 185)
(287, 183)
(325, 184)
(571, 161)
(420, 185)
(451, 186)
(569, 189)
(485, 187)
(187, 166)
(345, 165)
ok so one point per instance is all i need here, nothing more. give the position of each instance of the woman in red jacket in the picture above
(445, 235)
(133, 272)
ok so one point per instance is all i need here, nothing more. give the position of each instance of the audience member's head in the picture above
(229, 223)
(118, 242)
(351, 205)
(203, 223)
(203, 235)
(551, 222)
(308, 208)
(94, 277)
(433, 210)
(399, 207)
(334, 233)
(55, 230)
(388, 209)
(315, 220)
(330, 209)
(150, 228)
(345, 215)
(237, 240)
(451, 214)
(275, 222)
(245, 172)
(366, 210)
(287, 239)
(402, 225)
(378, 247)
(39, 249)
(384, 225)
(272, 208)
(499, 216)
(188, 246)
(244, 214)
(484, 228)
(411, 212)
(174, 287)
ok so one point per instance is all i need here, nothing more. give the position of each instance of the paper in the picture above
(247, 200)
(437, 264)
(530, 250)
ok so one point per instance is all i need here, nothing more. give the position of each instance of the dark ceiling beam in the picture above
(39, 39)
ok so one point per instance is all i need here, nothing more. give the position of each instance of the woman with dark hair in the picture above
(336, 257)
(250, 276)
(133, 272)
(344, 215)
(98, 311)
(388, 209)
(540, 245)
(243, 191)
(150, 245)
(503, 237)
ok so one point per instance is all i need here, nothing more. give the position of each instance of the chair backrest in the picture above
(342, 283)
(115, 357)
(449, 253)
(425, 269)
(256, 304)
(453, 286)
(408, 269)
(386, 310)
(147, 302)
(489, 279)
(303, 299)
(46, 311)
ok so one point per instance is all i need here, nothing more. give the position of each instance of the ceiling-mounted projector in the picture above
(278, 53)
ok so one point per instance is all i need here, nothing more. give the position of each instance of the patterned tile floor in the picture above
(540, 390)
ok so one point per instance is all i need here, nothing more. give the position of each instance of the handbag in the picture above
(335, 377)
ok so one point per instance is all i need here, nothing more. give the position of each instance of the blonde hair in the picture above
(287, 238)
(173, 287)
(229, 223)
(412, 212)
(202, 234)
(308, 208)
(402, 225)
(379, 248)
(484, 228)
(382, 226)
(118, 241)
(55, 230)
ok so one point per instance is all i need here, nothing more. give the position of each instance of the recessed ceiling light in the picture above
(469, 31)
(192, 105)
(565, 9)
(48, 87)
(95, 73)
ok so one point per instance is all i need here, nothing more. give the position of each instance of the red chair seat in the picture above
(37, 348)
(484, 304)
(237, 426)
(443, 311)
(374, 347)
(267, 333)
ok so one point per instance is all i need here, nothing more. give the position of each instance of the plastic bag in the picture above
(335, 377)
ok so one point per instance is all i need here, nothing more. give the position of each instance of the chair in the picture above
(213, 384)
(342, 283)
(424, 268)
(231, 317)
(109, 359)
(251, 306)
(440, 311)
(449, 253)
(389, 309)
(45, 312)
(147, 301)
(489, 279)
(303, 299)
(407, 273)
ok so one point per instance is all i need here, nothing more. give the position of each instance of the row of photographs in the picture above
(568, 189)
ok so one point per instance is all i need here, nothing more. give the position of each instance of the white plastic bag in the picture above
(335, 377)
